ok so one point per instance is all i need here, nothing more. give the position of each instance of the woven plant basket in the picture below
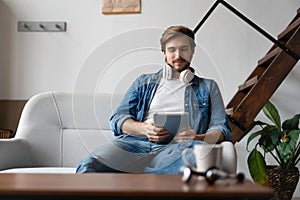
(283, 182)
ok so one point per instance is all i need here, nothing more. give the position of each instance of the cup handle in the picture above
(185, 160)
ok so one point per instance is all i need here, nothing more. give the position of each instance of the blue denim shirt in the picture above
(202, 100)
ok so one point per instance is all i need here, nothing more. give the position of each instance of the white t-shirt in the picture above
(169, 97)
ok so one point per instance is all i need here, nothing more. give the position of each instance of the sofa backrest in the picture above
(62, 128)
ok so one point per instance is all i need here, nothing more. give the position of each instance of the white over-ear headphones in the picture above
(185, 76)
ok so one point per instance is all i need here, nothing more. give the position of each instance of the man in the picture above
(174, 88)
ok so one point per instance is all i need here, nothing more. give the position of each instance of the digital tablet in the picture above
(174, 122)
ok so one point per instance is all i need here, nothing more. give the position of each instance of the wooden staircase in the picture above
(269, 73)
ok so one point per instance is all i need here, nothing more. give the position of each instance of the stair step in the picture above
(249, 83)
(229, 111)
(297, 15)
(266, 60)
(289, 30)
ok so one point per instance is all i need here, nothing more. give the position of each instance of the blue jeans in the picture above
(136, 155)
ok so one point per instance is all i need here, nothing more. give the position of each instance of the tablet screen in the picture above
(174, 122)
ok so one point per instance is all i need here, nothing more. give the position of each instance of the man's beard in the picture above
(186, 66)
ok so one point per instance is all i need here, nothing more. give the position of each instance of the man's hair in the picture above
(176, 31)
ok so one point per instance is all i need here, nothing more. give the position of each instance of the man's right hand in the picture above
(153, 133)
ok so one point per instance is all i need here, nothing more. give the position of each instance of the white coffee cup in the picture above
(206, 156)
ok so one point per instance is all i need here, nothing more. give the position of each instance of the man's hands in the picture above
(211, 137)
(153, 133)
(188, 134)
(156, 134)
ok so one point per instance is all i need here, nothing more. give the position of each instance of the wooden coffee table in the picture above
(124, 186)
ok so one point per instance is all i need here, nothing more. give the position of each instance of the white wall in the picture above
(106, 52)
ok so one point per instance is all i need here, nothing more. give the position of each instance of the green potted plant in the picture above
(281, 142)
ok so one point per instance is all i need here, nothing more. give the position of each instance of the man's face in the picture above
(178, 53)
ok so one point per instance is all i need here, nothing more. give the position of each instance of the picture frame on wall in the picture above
(121, 6)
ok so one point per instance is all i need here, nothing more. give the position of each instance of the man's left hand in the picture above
(188, 134)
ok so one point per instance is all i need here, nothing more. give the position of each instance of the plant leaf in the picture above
(291, 124)
(296, 158)
(252, 136)
(272, 113)
(270, 138)
(255, 123)
(257, 167)
(287, 149)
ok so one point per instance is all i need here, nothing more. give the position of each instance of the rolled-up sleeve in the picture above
(219, 120)
(126, 109)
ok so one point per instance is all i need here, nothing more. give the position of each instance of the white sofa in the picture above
(58, 129)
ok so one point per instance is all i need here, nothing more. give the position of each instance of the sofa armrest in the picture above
(14, 153)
